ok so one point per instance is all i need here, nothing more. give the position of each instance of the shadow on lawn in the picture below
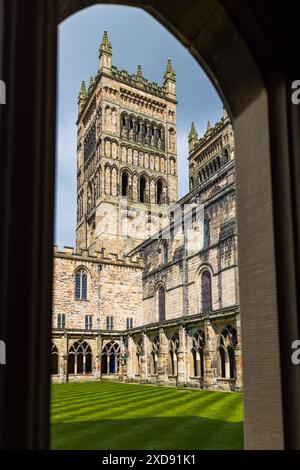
(175, 433)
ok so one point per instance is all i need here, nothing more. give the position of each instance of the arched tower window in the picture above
(165, 252)
(142, 189)
(191, 183)
(225, 156)
(159, 192)
(206, 291)
(206, 233)
(81, 284)
(161, 294)
(125, 184)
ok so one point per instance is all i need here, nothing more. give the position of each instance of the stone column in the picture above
(144, 360)
(238, 356)
(208, 354)
(161, 363)
(181, 376)
(64, 361)
(130, 372)
(98, 357)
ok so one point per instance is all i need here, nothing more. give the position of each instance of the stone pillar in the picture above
(98, 358)
(64, 361)
(209, 355)
(238, 356)
(161, 363)
(130, 372)
(181, 365)
(144, 360)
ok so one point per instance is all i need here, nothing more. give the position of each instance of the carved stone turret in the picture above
(170, 80)
(105, 54)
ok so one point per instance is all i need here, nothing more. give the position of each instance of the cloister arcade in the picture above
(161, 355)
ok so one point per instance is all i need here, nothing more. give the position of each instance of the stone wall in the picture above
(114, 288)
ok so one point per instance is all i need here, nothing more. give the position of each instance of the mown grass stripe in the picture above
(122, 416)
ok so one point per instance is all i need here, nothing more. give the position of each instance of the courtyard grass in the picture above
(109, 415)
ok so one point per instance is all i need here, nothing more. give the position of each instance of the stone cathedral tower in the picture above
(126, 156)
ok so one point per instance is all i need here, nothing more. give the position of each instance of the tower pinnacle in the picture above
(105, 54)
(193, 137)
(91, 84)
(82, 96)
(139, 72)
(170, 72)
(170, 80)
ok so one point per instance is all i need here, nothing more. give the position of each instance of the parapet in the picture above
(102, 257)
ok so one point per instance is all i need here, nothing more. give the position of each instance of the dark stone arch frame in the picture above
(253, 26)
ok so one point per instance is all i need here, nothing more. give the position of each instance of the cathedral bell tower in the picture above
(126, 156)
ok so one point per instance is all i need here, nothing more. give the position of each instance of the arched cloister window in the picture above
(154, 355)
(206, 291)
(125, 184)
(81, 284)
(142, 189)
(197, 354)
(222, 362)
(226, 353)
(173, 355)
(110, 360)
(161, 303)
(54, 360)
(193, 363)
(80, 358)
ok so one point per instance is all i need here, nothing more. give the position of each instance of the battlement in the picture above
(102, 257)
(166, 90)
(138, 81)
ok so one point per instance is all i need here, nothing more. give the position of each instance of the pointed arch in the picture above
(161, 302)
(110, 358)
(226, 352)
(80, 358)
(54, 360)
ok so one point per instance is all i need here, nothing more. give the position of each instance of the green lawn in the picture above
(105, 415)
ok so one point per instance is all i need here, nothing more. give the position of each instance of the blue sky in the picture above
(136, 38)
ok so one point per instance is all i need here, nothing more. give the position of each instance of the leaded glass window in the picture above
(61, 320)
(81, 285)
(161, 304)
(88, 322)
(206, 291)
(109, 323)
